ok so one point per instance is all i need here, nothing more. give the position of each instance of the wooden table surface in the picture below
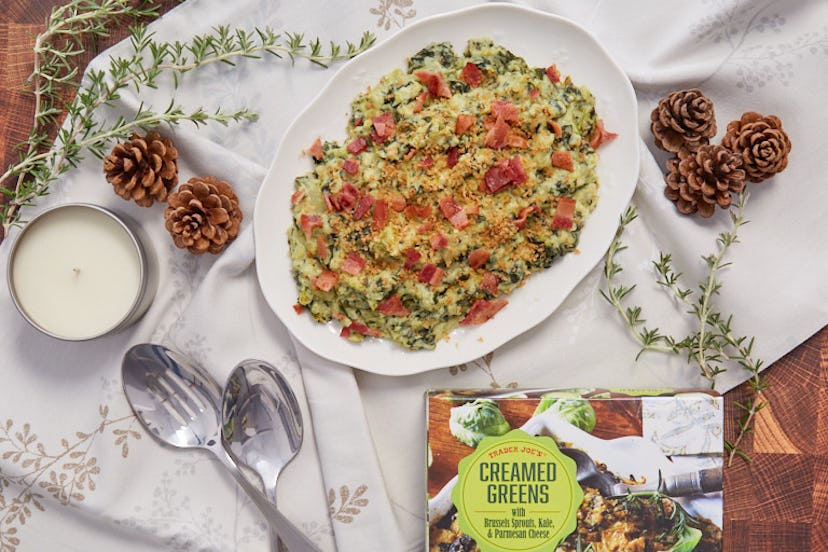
(776, 503)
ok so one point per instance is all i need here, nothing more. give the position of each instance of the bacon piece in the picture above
(438, 241)
(325, 281)
(360, 328)
(452, 156)
(432, 275)
(297, 196)
(555, 128)
(459, 219)
(308, 223)
(563, 213)
(482, 310)
(496, 137)
(383, 127)
(363, 206)
(347, 197)
(553, 73)
(504, 173)
(601, 135)
(505, 109)
(563, 160)
(321, 248)
(426, 273)
(298, 309)
(358, 121)
(316, 149)
(435, 83)
(426, 162)
(471, 75)
(380, 215)
(516, 167)
(419, 211)
(350, 166)
(357, 146)
(524, 213)
(411, 258)
(353, 264)
(463, 123)
(453, 212)
(534, 93)
(478, 258)
(398, 203)
(427, 226)
(331, 202)
(419, 103)
(489, 283)
(516, 141)
(393, 306)
(411, 153)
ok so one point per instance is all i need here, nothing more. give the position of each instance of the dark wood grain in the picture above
(779, 501)
(20, 22)
(776, 503)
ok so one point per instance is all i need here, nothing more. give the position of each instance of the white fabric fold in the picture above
(350, 469)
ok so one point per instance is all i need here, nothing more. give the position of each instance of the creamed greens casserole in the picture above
(459, 178)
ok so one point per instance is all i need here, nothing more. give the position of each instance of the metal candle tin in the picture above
(103, 238)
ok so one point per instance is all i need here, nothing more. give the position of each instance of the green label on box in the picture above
(517, 492)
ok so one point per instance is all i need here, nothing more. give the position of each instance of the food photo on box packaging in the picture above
(574, 470)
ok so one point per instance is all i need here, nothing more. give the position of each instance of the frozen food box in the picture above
(574, 470)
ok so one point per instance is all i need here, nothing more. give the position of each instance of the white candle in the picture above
(77, 272)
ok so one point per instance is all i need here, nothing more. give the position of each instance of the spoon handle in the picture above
(276, 544)
(293, 538)
(703, 481)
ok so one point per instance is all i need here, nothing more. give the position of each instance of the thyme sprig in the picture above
(713, 346)
(59, 92)
(650, 339)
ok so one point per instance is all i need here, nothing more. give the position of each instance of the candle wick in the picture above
(76, 270)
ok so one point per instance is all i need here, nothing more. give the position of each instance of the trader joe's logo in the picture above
(517, 493)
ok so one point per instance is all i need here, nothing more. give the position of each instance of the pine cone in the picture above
(698, 181)
(144, 169)
(760, 142)
(203, 215)
(684, 119)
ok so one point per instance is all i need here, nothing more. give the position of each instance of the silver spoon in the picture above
(262, 421)
(179, 404)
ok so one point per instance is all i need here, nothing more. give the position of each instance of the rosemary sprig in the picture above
(713, 345)
(57, 90)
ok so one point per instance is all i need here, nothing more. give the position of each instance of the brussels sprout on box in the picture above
(576, 411)
(473, 421)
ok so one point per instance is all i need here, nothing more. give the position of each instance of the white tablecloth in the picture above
(78, 473)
